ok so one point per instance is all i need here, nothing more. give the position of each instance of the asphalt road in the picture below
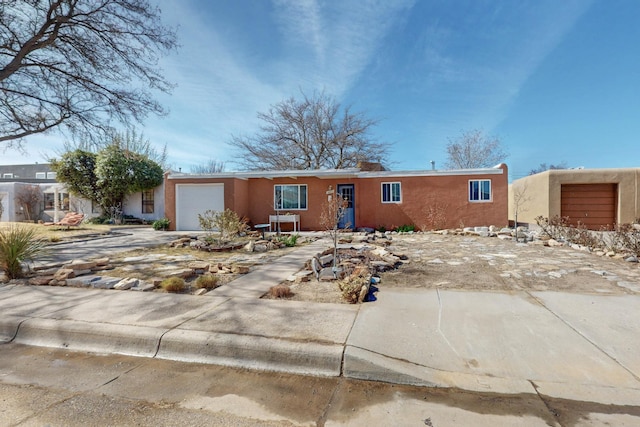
(43, 386)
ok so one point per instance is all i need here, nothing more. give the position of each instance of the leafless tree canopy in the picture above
(310, 133)
(544, 167)
(211, 166)
(81, 63)
(474, 150)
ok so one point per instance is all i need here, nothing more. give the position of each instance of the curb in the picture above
(91, 337)
(252, 352)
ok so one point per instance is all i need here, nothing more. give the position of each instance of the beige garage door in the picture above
(194, 199)
(594, 205)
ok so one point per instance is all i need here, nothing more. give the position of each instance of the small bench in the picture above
(280, 219)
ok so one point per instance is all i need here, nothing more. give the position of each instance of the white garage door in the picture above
(194, 199)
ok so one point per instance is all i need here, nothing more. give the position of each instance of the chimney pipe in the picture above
(433, 165)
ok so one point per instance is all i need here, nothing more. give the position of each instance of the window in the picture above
(480, 190)
(147, 201)
(290, 197)
(41, 175)
(391, 192)
(49, 201)
(7, 175)
(51, 175)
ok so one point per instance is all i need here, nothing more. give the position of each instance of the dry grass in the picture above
(53, 233)
(280, 291)
(207, 281)
(173, 284)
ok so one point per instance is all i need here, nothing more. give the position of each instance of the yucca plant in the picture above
(18, 244)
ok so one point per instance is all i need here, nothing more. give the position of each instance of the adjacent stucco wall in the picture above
(543, 191)
(530, 196)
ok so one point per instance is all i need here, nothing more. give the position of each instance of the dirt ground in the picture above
(492, 264)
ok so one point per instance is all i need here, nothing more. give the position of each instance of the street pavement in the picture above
(572, 347)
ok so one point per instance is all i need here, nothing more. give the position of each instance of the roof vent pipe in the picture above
(433, 165)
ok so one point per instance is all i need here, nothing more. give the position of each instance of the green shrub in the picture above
(290, 241)
(381, 228)
(173, 284)
(207, 281)
(161, 224)
(18, 244)
(406, 228)
(98, 220)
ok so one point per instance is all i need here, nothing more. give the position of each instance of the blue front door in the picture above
(348, 220)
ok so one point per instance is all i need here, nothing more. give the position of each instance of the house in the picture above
(54, 199)
(594, 197)
(376, 198)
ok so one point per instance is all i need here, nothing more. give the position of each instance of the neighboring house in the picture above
(595, 197)
(148, 205)
(377, 198)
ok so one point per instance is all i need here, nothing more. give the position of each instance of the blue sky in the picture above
(554, 80)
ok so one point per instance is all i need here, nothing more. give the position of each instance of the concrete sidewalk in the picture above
(567, 346)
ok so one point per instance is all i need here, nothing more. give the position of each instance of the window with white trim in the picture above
(391, 192)
(290, 197)
(480, 190)
(7, 175)
(51, 175)
(41, 175)
(147, 201)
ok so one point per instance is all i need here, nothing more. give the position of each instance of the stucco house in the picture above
(148, 205)
(376, 198)
(595, 197)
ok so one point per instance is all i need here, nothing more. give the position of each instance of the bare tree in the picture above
(333, 210)
(520, 200)
(314, 132)
(212, 166)
(76, 63)
(28, 198)
(474, 150)
(543, 167)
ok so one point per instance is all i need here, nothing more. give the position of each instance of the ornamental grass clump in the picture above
(18, 244)
(280, 291)
(173, 284)
(207, 281)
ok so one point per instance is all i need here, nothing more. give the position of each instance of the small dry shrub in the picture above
(207, 281)
(173, 284)
(352, 285)
(280, 291)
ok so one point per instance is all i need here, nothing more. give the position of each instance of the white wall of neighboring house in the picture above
(132, 205)
(4, 198)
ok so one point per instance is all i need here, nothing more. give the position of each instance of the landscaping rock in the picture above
(41, 280)
(249, 247)
(260, 247)
(631, 258)
(199, 267)
(101, 261)
(105, 282)
(125, 284)
(239, 269)
(143, 287)
(201, 291)
(325, 260)
(64, 274)
(81, 265)
(82, 282)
